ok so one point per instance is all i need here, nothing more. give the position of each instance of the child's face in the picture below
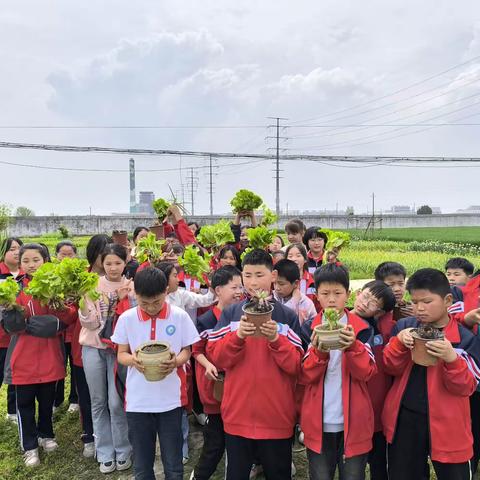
(457, 276)
(332, 295)
(173, 281)
(296, 256)
(257, 277)
(141, 234)
(231, 292)
(276, 245)
(113, 267)
(243, 235)
(276, 256)
(316, 245)
(366, 305)
(151, 305)
(228, 259)
(66, 251)
(397, 284)
(294, 237)
(11, 256)
(430, 307)
(31, 261)
(284, 288)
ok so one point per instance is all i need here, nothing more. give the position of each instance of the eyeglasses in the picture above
(370, 301)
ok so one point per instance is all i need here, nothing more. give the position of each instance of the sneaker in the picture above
(89, 449)
(107, 467)
(48, 444)
(201, 418)
(124, 464)
(73, 408)
(12, 417)
(255, 471)
(185, 460)
(294, 470)
(31, 458)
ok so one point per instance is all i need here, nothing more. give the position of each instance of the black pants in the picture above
(143, 429)
(60, 393)
(11, 406)
(377, 458)
(475, 413)
(408, 453)
(213, 447)
(197, 404)
(84, 404)
(322, 466)
(29, 429)
(274, 455)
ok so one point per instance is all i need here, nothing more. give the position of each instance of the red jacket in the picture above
(358, 366)
(449, 386)
(30, 359)
(205, 324)
(471, 301)
(259, 392)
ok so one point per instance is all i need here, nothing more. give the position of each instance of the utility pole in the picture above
(373, 212)
(211, 186)
(191, 190)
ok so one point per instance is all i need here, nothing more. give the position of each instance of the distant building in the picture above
(399, 210)
(436, 210)
(144, 206)
(472, 209)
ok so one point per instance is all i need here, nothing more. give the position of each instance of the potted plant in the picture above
(152, 354)
(258, 310)
(120, 237)
(421, 335)
(327, 334)
(160, 207)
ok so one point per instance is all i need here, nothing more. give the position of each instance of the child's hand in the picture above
(442, 349)
(407, 310)
(137, 363)
(347, 337)
(316, 343)
(211, 372)
(245, 328)
(122, 292)
(169, 366)
(472, 317)
(405, 336)
(270, 330)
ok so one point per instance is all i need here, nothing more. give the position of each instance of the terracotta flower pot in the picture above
(159, 231)
(120, 237)
(257, 318)
(218, 387)
(420, 355)
(152, 354)
(328, 339)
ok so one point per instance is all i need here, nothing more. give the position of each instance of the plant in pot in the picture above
(152, 354)
(258, 310)
(160, 207)
(327, 335)
(421, 335)
(120, 237)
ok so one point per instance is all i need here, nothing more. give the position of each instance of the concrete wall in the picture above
(89, 225)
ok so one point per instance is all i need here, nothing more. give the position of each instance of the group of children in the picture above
(256, 390)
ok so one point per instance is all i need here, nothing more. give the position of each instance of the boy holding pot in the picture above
(337, 414)
(258, 405)
(426, 412)
(155, 408)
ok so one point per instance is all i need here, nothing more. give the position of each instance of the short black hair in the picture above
(224, 275)
(150, 282)
(95, 246)
(47, 251)
(331, 273)
(34, 246)
(429, 279)
(234, 252)
(7, 244)
(278, 253)
(295, 226)
(281, 239)
(381, 291)
(460, 263)
(166, 268)
(115, 249)
(65, 243)
(258, 257)
(386, 269)
(313, 232)
(288, 270)
(138, 230)
(177, 248)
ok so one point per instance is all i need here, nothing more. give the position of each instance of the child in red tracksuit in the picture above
(258, 405)
(337, 415)
(227, 285)
(426, 411)
(375, 304)
(297, 253)
(35, 360)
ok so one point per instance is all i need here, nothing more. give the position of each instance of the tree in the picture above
(349, 211)
(4, 222)
(424, 210)
(24, 212)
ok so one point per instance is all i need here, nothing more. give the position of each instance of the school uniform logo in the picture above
(170, 330)
(377, 340)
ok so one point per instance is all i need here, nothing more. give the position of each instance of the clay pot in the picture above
(420, 356)
(218, 387)
(152, 354)
(159, 231)
(257, 318)
(120, 237)
(329, 339)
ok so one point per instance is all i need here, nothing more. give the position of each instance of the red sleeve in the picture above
(227, 351)
(184, 234)
(396, 357)
(286, 355)
(457, 377)
(314, 366)
(200, 347)
(361, 361)
(167, 228)
(123, 305)
(68, 316)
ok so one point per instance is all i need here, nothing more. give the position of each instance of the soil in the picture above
(428, 332)
(154, 348)
(257, 307)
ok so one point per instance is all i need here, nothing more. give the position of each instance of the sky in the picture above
(350, 78)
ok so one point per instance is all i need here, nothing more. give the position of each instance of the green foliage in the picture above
(160, 207)
(64, 233)
(260, 237)
(77, 280)
(47, 286)
(268, 218)
(336, 240)
(24, 212)
(8, 293)
(245, 201)
(149, 248)
(216, 235)
(424, 210)
(194, 264)
(331, 318)
(351, 299)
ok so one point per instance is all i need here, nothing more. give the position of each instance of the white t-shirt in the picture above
(172, 325)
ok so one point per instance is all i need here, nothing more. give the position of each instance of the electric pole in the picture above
(191, 190)
(211, 186)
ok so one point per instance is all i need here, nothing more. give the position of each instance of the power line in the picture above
(125, 127)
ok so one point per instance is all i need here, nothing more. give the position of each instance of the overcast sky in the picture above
(210, 63)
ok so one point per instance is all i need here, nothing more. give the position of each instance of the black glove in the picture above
(44, 326)
(13, 321)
